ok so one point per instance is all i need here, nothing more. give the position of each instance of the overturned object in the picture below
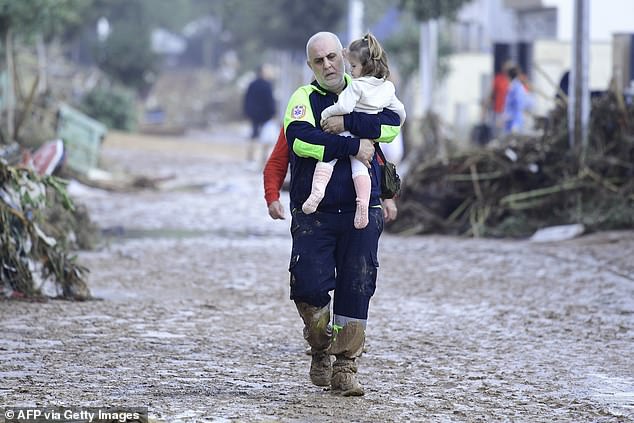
(47, 158)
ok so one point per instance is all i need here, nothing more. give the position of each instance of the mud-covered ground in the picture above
(195, 321)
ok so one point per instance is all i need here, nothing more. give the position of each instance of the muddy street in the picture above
(195, 323)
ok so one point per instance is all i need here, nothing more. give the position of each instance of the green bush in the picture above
(113, 106)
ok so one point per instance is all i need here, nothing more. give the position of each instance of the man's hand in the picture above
(333, 125)
(389, 210)
(276, 210)
(366, 151)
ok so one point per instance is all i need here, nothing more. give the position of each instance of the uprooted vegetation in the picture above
(527, 183)
(35, 260)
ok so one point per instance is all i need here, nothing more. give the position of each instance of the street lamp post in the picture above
(579, 101)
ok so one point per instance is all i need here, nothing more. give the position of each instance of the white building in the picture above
(527, 31)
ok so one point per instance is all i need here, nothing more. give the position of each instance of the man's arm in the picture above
(345, 103)
(306, 139)
(382, 127)
(274, 172)
(275, 169)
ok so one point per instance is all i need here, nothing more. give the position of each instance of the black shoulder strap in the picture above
(378, 150)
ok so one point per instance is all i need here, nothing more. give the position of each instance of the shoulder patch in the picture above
(299, 111)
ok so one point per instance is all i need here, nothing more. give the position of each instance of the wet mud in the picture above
(195, 323)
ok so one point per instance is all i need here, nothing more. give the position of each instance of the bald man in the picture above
(328, 253)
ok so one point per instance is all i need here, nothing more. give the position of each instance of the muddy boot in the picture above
(317, 332)
(321, 177)
(344, 378)
(320, 369)
(362, 186)
(347, 346)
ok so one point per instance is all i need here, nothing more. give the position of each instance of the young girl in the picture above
(368, 92)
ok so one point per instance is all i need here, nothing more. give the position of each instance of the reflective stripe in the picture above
(306, 149)
(341, 321)
(388, 133)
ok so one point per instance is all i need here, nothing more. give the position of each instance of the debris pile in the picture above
(34, 258)
(525, 183)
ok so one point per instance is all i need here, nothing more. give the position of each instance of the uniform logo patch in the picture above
(299, 111)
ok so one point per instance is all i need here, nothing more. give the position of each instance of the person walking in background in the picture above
(258, 106)
(367, 92)
(328, 253)
(498, 97)
(561, 98)
(517, 102)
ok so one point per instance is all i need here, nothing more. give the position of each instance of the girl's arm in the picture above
(345, 104)
(398, 107)
(382, 127)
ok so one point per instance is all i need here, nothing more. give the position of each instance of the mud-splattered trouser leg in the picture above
(329, 253)
(357, 265)
(309, 289)
(317, 332)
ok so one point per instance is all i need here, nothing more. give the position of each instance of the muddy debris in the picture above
(35, 248)
(524, 183)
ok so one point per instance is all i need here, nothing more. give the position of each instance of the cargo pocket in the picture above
(370, 286)
(364, 282)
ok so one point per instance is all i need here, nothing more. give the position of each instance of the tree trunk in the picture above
(41, 65)
(427, 63)
(10, 95)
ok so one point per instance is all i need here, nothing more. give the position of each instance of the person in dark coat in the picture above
(259, 106)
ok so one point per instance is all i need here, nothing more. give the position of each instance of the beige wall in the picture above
(459, 98)
(553, 58)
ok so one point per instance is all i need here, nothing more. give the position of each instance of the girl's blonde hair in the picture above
(370, 54)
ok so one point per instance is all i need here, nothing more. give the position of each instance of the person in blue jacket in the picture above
(518, 101)
(328, 253)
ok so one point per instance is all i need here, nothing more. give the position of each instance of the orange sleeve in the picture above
(275, 169)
